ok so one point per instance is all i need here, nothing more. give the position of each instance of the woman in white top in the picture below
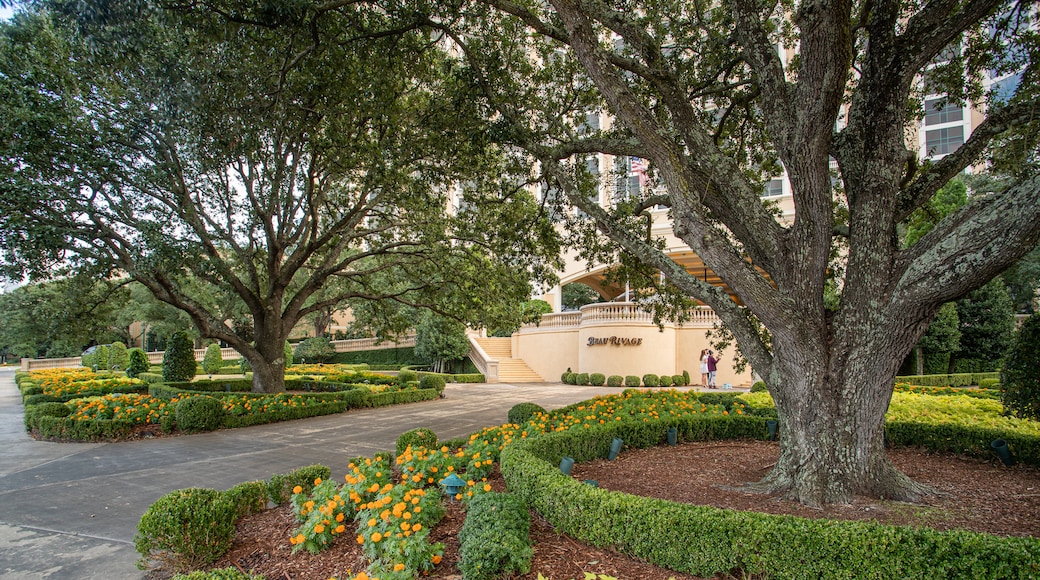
(704, 367)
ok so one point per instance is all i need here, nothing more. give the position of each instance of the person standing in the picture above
(712, 364)
(704, 367)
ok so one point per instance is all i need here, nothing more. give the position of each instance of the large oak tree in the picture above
(293, 157)
(721, 95)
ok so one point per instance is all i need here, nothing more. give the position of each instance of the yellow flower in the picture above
(319, 529)
(376, 537)
(398, 567)
(487, 487)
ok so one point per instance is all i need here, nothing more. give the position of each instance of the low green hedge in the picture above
(495, 539)
(708, 541)
(450, 378)
(398, 397)
(65, 428)
(277, 415)
(212, 386)
(963, 439)
(954, 380)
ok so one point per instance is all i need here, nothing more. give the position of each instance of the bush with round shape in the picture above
(287, 352)
(651, 380)
(118, 356)
(632, 381)
(597, 379)
(186, 529)
(198, 414)
(677, 380)
(179, 359)
(213, 360)
(432, 382)
(563, 377)
(686, 377)
(665, 380)
(759, 387)
(521, 412)
(615, 380)
(1021, 374)
(51, 409)
(415, 438)
(137, 363)
(406, 376)
(582, 379)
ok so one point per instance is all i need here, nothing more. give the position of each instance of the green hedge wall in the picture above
(954, 380)
(96, 430)
(963, 439)
(385, 356)
(707, 541)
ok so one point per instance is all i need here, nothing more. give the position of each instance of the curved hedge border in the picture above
(705, 541)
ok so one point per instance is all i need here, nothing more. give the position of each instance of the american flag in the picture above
(638, 167)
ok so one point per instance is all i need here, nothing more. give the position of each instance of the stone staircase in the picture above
(510, 370)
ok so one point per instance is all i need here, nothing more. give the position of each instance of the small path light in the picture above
(592, 482)
(615, 448)
(673, 436)
(453, 484)
(771, 426)
(566, 464)
(1003, 452)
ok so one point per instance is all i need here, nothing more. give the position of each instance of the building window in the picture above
(936, 113)
(774, 188)
(943, 141)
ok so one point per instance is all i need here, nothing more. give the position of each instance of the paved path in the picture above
(70, 510)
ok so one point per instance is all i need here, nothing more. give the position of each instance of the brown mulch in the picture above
(980, 495)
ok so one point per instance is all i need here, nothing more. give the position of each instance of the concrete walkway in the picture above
(70, 510)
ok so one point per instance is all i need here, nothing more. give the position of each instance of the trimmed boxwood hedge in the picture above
(706, 541)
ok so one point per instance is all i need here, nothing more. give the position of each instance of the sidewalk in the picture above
(70, 510)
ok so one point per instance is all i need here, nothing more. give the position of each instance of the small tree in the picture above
(987, 323)
(179, 359)
(1021, 374)
(287, 353)
(138, 363)
(214, 359)
(118, 357)
(440, 341)
(101, 358)
(316, 349)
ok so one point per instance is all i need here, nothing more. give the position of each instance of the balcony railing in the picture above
(607, 312)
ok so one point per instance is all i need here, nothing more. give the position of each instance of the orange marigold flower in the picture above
(340, 528)
(398, 567)
(416, 527)
(436, 559)
(376, 537)
(360, 539)
(319, 529)
(317, 481)
(339, 517)
(487, 487)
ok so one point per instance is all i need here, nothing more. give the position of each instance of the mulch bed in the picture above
(979, 495)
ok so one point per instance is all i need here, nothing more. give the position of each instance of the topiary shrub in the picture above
(563, 377)
(404, 377)
(685, 377)
(51, 409)
(198, 414)
(420, 437)
(287, 352)
(186, 529)
(101, 358)
(665, 380)
(40, 399)
(179, 359)
(632, 381)
(494, 542)
(118, 357)
(759, 387)
(615, 380)
(88, 360)
(248, 498)
(678, 380)
(1021, 374)
(989, 384)
(213, 360)
(521, 412)
(651, 380)
(433, 382)
(597, 379)
(137, 363)
(582, 379)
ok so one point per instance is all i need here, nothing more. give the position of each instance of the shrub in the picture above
(288, 354)
(118, 357)
(432, 382)
(759, 387)
(38, 399)
(229, 573)
(187, 528)
(521, 412)
(665, 380)
(88, 360)
(197, 414)
(570, 378)
(632, 381)
(563, 377)
(50, 409)
(582, 379)
(279, 487)
(989, 384)
(404, 377)
(685, 377)
(597, 379)
(244, 366)
(494, 542)
(213, 361)
(1021, 373)
(315, 350)
(137, 363)
(651, 380)
(248, 498)
(415, 438)
(101, 357)
(677, 380)
(179, 359)
(615, 380)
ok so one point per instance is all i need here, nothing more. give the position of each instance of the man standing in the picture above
(712, 367)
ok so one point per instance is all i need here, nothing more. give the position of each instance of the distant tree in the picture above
(213, 360)
(440, 342)
(1020, 376)
(1023, 282)
(179, 359)
(986, 324)
(577, 295)
(317, 349)
(940, 341)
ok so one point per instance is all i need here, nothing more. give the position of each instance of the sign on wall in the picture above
(615, 340)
